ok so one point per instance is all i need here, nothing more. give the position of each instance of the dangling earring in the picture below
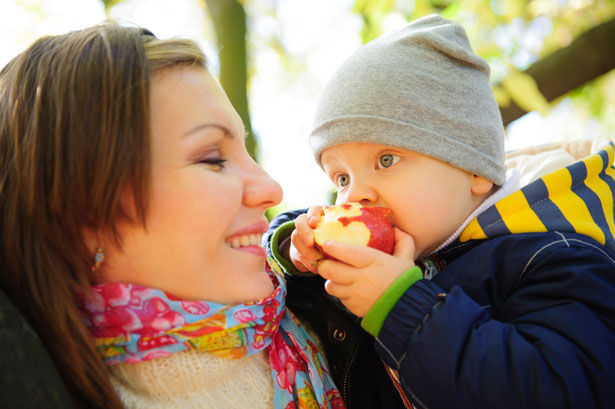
(99, 257)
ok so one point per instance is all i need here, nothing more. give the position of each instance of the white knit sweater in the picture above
(195, 379)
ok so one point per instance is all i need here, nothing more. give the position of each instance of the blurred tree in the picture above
(541, 49)
(229, 21)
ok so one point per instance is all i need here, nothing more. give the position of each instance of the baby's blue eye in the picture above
(387, 160)
(342, 180)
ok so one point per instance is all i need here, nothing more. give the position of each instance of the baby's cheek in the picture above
(425, 227)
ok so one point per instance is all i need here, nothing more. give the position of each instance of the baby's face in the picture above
(429, 199)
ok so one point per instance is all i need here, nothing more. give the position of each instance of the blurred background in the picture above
(552, 61)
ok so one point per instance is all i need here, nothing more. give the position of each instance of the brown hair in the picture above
(74, 119)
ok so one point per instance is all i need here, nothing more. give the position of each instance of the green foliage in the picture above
(511, 35)
(373, 13)
(597, 100)
(109, 4)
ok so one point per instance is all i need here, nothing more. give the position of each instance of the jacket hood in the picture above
(577, 199)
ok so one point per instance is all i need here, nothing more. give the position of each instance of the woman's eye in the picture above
(217, 162)
(342, 180)
(387, 160)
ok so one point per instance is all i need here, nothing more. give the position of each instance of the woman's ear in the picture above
(480, 185)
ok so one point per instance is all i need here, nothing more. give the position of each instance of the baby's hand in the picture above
(360, 275)
(302, 253)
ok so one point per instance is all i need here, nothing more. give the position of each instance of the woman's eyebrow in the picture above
(224, 129)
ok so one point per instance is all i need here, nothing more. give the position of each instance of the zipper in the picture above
(347, 371)
(393, 374)
(430, 265)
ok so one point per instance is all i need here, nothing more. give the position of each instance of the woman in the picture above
(127, 198)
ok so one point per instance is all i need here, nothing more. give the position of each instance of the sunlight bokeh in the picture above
(317, 35)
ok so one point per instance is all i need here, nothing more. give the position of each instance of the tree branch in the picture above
(587, 57)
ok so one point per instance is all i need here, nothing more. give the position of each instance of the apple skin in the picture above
(353, 223)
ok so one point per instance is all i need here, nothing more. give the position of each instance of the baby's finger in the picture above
(307, 252)
(356, 256)
(304, 231)
(313, 215)
(300, 253)
(301, 263)
(336, 272)
(297, 262)
(404, 245)
(337, 290)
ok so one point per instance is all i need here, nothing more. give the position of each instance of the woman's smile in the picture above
(249, 239)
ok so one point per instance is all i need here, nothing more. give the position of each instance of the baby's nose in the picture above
(362, 193)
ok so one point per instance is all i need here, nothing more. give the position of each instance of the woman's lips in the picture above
(248, 239)
(254, 250)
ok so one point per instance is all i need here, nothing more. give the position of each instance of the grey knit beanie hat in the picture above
(420, 88)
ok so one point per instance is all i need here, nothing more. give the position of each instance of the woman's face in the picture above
(208, 197)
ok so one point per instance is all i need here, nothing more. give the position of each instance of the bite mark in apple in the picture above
(353, 223)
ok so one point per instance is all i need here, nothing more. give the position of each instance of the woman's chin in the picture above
(265, 289)
(256, 289)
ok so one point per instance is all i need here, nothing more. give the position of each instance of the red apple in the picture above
(353, 223)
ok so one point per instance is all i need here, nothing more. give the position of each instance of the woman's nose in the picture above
(260, 189)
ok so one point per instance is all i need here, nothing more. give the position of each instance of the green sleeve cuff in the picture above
(374, 319)
(279, 235)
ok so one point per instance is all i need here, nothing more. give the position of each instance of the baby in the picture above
(496, 294)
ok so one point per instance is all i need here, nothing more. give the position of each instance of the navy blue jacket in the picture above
(528, 321)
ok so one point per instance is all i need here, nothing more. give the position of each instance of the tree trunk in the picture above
(229, 19)
(587, 57)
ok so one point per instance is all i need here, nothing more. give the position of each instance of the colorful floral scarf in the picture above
(132, 324)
